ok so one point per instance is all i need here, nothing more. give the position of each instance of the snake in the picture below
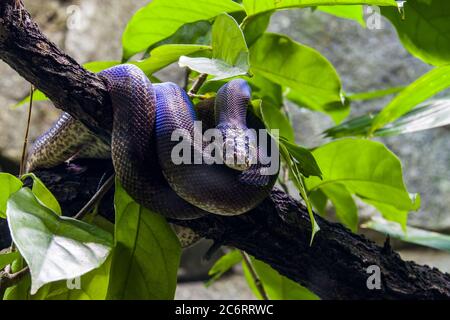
(145, 117)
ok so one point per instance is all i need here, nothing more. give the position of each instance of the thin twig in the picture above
(96, 198)
(27, 132)
(8, 280)
(258, 283)
(198, 83)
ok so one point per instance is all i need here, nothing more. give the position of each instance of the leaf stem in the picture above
(258, 284)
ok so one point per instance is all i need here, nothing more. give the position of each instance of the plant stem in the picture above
(256, 280)
(27, 132)
(96, 198)
(198, 83)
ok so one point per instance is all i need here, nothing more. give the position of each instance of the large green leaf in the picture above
(8, 185)
(253, 7)
(290, 64)
(54, 247)
(355, 12)
(277, 287)
(161, 18)
(147, 253)
(424, 29)
(366, 168)
(414, 235)
(423, 88)
(229, 51)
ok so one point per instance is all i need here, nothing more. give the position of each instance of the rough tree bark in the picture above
(277, 231)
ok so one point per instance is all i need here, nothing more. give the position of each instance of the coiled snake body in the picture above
(144, 117)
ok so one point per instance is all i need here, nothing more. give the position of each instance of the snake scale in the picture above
(145, 115)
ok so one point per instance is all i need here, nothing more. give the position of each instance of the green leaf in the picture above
(160, 19)
(54, 247)
(376, 94)
(253, 7)
(275, 119)
(346, 210)
(432, 114)
(366, 168)
(429, 115)
(225, 263)
(355, 12)
(277, 287)
(290, 64)
(423, 88)
(6, 258)
(229, 51)
(9, 184)
(356, 127)
(147, 253)
(297, 179)
(303, 158)
(424, 30)
(413, 235)
(43, 194)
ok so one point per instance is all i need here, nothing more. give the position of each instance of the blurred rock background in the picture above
(365, 59)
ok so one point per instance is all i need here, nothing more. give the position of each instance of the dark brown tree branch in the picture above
(277, 231)
(68, 85)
